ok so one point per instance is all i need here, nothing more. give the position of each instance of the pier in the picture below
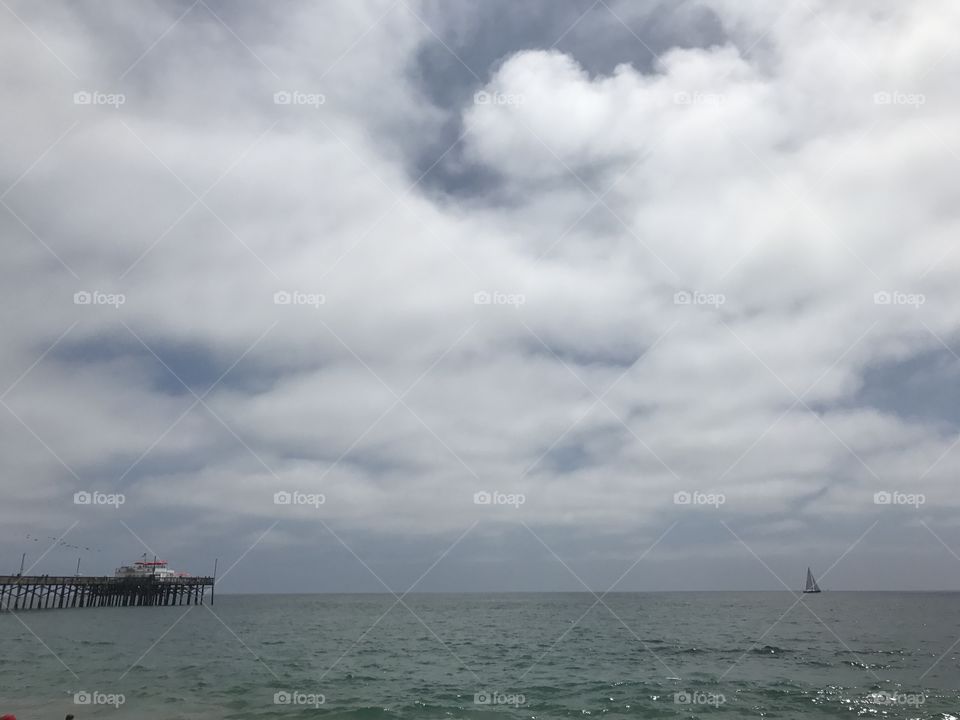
(50, 592)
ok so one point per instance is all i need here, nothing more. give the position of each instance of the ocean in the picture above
(555, 655)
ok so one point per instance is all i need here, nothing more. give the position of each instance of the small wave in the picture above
(372, 712)
(361, 678)
(866, 666)
(768, 650)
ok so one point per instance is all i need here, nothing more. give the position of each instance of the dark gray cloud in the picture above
(923, 387)
(472, 40)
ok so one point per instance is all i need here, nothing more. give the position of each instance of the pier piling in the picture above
(53, 592)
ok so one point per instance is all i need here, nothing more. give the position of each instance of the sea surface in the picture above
(633, 655)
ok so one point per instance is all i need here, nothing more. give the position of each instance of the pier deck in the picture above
(48, 591)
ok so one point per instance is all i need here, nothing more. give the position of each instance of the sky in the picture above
(449, 296)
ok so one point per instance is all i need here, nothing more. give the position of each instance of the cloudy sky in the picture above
(533, 296)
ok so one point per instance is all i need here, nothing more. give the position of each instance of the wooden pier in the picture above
(49, 592)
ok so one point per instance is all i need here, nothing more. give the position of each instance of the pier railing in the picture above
(49, 591)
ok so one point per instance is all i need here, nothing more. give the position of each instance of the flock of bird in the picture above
(61, 543)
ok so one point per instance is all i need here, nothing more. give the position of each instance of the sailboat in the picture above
(812, 586)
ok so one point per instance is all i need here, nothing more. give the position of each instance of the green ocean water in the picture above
(655, 655)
